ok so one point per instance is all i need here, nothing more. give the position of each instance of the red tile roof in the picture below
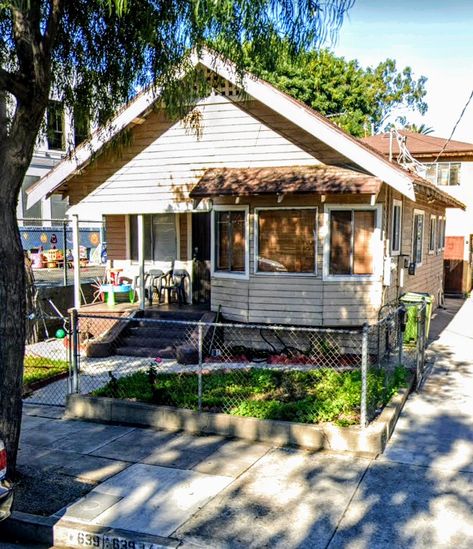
(420, 145)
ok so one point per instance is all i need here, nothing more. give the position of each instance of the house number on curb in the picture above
(86, 539)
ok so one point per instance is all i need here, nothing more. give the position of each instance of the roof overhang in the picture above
(321, 180)
(296, 112)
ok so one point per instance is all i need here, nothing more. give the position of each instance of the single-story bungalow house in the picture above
(289, 219)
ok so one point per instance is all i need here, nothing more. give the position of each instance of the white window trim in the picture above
(414, 213)
(433, 219)
(151, 262)
(437, 166)
(441, 224)
(377, 247)
(256, 240)
(224, 274)
(396, 202)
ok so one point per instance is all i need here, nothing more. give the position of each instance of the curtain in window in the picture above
(160, 239)
(230, 241)
(351, 242)
(418, 237)
(340, 242)
(363, 223)
(396, 229)
(286, 241)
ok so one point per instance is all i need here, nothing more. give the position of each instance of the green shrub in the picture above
(313, 396)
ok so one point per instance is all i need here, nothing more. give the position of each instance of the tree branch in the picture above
(52, 26)
(13, 84)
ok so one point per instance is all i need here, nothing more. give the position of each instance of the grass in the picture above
(38, 368)
(309, 397)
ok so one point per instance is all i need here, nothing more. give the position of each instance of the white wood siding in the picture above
(298, 299)
(163, 161)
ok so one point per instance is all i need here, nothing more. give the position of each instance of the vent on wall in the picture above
(222, 86)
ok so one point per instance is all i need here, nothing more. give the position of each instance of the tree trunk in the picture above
(12, 316)
(15, 156)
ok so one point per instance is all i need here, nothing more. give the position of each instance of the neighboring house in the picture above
(62, 132)
(299, 222)
(452, 172)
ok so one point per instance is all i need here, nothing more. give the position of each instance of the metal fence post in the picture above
(400, 317)
(364, 376)
(64, 252)
(74, 342)
(200, 343)
(421, 313)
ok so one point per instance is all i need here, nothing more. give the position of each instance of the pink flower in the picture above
(158, 360)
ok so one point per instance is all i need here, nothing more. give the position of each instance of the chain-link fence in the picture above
(47, 363)
(48, 244)
(291, 373)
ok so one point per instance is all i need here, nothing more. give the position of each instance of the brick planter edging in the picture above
(370, 441)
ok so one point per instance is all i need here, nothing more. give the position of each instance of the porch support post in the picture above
(76, 259)
(141, 260)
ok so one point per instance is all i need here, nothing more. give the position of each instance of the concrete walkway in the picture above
(212, 492)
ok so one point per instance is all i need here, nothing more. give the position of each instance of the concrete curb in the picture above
(26, 527)
(368, 442)
(64, 533)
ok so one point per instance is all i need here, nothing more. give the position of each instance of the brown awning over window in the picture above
(284, 180)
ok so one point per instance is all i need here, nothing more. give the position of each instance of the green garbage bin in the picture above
(412, 301)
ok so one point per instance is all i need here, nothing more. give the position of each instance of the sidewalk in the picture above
(212, 492)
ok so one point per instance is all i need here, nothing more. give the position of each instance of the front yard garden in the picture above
(310, 396)
(39, 368)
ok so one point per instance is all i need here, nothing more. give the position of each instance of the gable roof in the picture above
(420, 145)
(336, 146)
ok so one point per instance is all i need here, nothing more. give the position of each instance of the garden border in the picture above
(370, 441)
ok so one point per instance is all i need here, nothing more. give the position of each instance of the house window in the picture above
(160, 237)
(55, 125)
(418, 236)
(352, 241)
(286, 240)
(230, 241)
(81, 124)
(396, 227)
(444, 173)
(441, 234)
(433, 234)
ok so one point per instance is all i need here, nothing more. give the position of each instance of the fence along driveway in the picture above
(193, 356)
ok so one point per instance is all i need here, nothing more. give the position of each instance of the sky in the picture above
(434, 38)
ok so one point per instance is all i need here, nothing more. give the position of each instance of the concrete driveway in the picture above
(212, 492)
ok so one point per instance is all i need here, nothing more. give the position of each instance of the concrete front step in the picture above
(150, 352)
(191, 316)
(165, 340)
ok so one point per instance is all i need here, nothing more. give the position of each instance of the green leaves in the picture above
(104, 51)
(353, 97)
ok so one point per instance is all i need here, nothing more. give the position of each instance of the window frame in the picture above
(59, 105)
(443, 164)
(377, 244)
(441, 230)
(129, 236)
(256, 240)
(414, 214)
(434, 222)
(396, 203)
(214, 273)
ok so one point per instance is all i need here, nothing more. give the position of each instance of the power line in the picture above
(455, 127)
